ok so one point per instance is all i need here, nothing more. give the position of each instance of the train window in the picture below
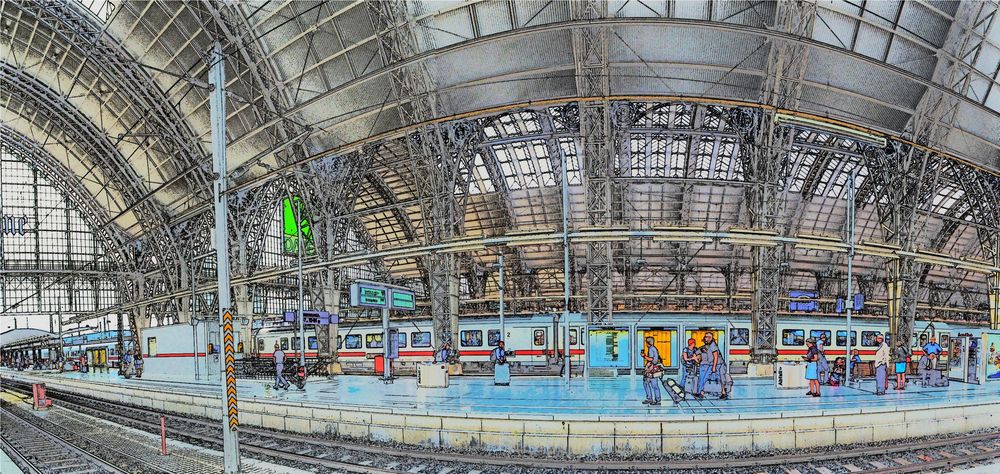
(284, 344)
(739, 336)
(421, 339)
(340, 342)
(493, 337)
(260, 345)
(868, 338)
(296, 343)
(842, 338)
(402, 339)
(373, 341)
(818, 333)
(311, 340)
(538, 338)
(572, 337)
(151, 346)
(471, 338)
(793, 337)
(352, 341)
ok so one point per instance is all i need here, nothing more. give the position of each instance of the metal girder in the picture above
(590, 54)
(764, 166)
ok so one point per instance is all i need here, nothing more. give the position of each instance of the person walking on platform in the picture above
(882, 358)
(933, 351)
(651, 373)
(711, 359)
(279, 367)
(902, 358)
(812, 367)
(689, 366)
(822, 365)
(501, 371)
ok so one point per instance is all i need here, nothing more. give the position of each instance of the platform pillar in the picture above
(994, 297)
(331, 299)
(217, 77)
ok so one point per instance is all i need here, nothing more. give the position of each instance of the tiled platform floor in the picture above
(597, 396)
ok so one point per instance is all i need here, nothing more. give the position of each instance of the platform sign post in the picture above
(229, 351)
(217, 109)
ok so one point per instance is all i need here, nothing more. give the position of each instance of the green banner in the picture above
(290, 228)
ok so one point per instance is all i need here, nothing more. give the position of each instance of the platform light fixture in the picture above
(601, 234)
(783, 118)
(751, 237)
(820, 242)
(878, 249)
(680, 234)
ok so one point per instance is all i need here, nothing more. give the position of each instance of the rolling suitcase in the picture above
(501, 374)
(675, 391)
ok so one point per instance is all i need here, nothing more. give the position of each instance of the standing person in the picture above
(822, 365)
(933, 351)
(812, 367)
(711, 358)
(902, 358)
(442, 354)
(501, 371)
(137, 362)
(855, 363)
(882, 358)
(126, 364)
(651, 368)
(689, 367)
(279, 367)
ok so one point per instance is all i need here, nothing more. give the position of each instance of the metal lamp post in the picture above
(850, 269)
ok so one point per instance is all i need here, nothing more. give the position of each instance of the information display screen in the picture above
(370, 296)
(403, 300)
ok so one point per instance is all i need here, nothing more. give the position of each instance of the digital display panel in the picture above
(403, 300)
(371, 296)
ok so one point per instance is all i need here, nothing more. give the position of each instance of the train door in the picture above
(719, 335)
(663, 339)
(608, 348)
(540, 345)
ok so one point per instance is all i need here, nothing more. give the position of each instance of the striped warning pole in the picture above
(229, 350)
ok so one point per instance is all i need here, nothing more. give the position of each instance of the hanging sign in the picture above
(370, 296)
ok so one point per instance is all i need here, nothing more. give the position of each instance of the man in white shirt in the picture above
(882, 358)
(279, 366)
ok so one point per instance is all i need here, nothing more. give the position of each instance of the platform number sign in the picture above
(229, 349)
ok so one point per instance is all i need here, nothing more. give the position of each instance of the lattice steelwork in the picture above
(57, 266)
(590, 52)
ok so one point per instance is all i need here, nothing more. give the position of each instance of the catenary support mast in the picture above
(217, 77)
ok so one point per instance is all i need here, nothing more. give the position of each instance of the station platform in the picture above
(595, 416)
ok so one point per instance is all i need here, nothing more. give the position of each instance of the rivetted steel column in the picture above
(217, 78)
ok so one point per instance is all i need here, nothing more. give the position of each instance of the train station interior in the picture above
(499, 236)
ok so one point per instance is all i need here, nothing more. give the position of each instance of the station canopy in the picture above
(335, 103)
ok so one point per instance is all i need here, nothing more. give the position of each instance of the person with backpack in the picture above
(652, 373)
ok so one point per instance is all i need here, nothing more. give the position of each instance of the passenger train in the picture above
(537, 341)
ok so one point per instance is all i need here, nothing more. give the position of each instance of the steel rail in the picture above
(562, 464)
(73, 446)
(19, 459)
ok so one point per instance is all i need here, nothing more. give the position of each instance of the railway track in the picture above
(339, 455)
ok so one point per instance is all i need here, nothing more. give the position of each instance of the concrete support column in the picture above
(331, 302)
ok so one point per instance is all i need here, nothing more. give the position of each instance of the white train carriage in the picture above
(537, 341)
(169, 351)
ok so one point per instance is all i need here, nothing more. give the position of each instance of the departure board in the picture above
(403, 300)
(369, 295)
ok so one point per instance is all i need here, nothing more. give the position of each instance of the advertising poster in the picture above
(991, 352)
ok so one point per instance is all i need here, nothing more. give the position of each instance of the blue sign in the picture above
(802, 301)
(370, 296)
(320, 318)
(403, 300)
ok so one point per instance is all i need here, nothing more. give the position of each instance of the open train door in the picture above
(666, 343)
(719, 333)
